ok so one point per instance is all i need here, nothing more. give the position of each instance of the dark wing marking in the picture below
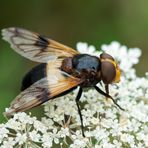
(35, 47)
(42, 91)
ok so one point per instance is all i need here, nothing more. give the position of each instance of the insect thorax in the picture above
(85, 61)
(83, 66)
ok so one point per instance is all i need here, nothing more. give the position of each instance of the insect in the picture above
(62, 69)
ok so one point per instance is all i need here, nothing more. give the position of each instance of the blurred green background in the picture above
(95, 22)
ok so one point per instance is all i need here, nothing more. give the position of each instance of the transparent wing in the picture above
(34, 46)
(43, 90)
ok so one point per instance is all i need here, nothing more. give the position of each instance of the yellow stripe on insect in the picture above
(118, 74)
(109, 60)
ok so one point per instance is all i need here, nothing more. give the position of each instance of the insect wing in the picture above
(43, 90)
(35, 47)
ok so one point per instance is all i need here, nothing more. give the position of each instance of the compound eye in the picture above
(106, 56)
(108, 72)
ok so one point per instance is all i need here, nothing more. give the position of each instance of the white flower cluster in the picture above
(106, 126)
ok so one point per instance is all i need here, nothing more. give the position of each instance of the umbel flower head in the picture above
(105, 125)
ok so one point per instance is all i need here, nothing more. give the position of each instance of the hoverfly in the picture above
(62, 69)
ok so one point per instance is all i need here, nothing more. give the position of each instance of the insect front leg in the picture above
(107, 88)
(108, 96)
(79, 109)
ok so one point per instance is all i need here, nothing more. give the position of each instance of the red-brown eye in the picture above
(108, 72)
(108, 68)
(106, 56)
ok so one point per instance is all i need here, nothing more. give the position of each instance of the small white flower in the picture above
(46, 140)
(9, 143)
(55, 136)
(3, 132)
(78, 140)
(39, 126)
(117, 144)
(48, 122)
(13, 124)
(84, 48)
(34, 136)
(64, 132)
(21, 138)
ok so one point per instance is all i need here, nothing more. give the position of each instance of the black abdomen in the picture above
(33, 76)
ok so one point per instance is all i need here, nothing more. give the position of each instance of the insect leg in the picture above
(107, 88)
(107, 95)
(79, 109)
